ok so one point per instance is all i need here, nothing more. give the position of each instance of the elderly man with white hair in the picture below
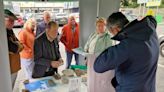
(42, 25)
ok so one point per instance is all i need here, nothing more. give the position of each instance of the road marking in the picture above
(161, 65)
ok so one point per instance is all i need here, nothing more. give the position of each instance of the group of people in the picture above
(129, 66)
(36, 50)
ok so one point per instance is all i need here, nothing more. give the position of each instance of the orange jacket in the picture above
(27, 37)
(70, 39)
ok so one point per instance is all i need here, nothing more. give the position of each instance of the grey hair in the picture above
(117, 19)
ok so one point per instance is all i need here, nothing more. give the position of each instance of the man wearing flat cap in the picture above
(14, 45)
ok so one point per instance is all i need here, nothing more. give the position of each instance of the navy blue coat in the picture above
(41, 27)
(134, 58)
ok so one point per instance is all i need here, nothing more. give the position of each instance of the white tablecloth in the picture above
(58, 88)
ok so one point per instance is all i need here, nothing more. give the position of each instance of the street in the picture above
(160, 75)
(160, 70)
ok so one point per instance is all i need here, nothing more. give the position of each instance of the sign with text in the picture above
(153, 3)
(142, 1)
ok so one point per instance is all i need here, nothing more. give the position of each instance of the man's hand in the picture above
(20, 46)
(61, 61)
(55, 64)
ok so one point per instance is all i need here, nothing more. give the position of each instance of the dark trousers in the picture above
(69, 58)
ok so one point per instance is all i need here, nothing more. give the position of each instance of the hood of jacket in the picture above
(138, 30)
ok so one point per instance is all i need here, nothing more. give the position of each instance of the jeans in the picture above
(13, 79)
(69, 58)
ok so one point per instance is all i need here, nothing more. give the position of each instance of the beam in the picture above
(5, 77)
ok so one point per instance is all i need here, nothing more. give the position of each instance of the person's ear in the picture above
(117, 29)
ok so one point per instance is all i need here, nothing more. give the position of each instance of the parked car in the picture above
(61, 18)
(19, 22)
(38, 17)
(27, 16)
(161, 42)
(76, 15)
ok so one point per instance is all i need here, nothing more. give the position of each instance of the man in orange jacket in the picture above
(70, 38)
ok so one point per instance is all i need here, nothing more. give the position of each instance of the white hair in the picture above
(29, 21)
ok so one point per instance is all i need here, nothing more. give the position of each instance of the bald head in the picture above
(46, 16)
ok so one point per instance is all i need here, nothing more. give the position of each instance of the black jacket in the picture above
(43, 55)
(135, 58)
(12, 42)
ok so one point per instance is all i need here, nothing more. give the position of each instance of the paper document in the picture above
(81, 51)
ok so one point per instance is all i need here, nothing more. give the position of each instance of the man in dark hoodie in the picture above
(135, 57)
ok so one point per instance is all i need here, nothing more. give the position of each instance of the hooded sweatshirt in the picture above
(27, 38)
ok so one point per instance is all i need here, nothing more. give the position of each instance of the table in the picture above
(58, 88)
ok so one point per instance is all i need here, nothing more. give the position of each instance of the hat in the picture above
(8, 13)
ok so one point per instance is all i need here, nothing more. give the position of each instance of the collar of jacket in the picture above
(76, 24)
(28, 30)
(139, 30)
(102, 34)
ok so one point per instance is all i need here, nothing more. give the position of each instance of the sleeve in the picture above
(38, 55)
(86, 47)
(13, 46)
(111, 57)
(22, 39)
(38, 30)
(59, 50)
(63, 37)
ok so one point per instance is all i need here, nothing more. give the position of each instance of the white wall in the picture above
(5, 77)
(89, 9)
(88, 14)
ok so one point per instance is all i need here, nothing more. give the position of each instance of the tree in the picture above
(124, 2)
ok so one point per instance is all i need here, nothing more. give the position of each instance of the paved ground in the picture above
(160, 75)
(160, 71)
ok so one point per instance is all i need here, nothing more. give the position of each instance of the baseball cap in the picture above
(8, 13)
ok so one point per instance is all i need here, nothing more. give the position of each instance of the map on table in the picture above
(40, 85)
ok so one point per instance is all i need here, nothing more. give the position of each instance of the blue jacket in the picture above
(40, 28)
(134, 58)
